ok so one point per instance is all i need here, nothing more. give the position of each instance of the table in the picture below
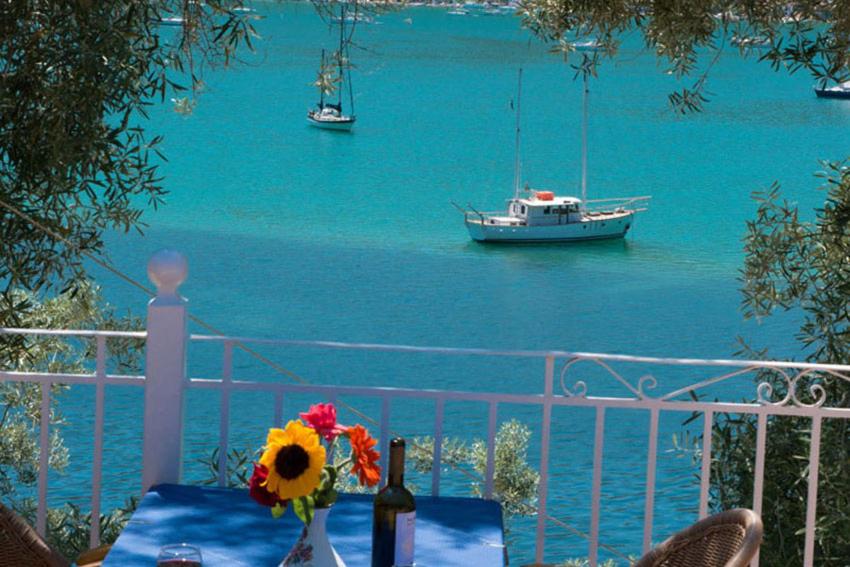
(232, 530)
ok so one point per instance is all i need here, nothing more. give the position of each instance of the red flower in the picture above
(322, 418)
(364, 457)
(258, 492)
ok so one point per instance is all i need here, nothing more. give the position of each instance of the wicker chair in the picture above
(20, 545)
(727, 539)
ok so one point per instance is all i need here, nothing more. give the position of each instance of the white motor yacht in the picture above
(544, 217)
(541, 216)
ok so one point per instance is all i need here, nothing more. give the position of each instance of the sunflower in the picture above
(294, 458)
(364, 458)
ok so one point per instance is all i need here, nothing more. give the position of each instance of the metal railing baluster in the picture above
(598, 443)
(758, 482)
(651, 461)
(705, 469)
(438, 446)
(224, 414)
(385, 436)
(812, 496)
(545, 431)
(491, 450)
(43, 460)
(97, 457)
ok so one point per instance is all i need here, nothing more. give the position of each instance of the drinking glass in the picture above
(179, 555)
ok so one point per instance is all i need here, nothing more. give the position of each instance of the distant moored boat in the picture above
(586, 45)
(838, 91)
(172, 21)
(328, 115)
(750, 42)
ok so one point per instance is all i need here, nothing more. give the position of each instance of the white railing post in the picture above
(165, 371)
(543, 487)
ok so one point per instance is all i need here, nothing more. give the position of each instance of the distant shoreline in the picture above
(448, 4)
(502, 5)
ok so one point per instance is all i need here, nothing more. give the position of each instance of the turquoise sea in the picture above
(295, 232)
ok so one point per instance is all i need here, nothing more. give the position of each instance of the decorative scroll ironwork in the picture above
(794, 382)
(647, 381)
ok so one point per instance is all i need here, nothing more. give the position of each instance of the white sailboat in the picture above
(328, 115)
(542, 216)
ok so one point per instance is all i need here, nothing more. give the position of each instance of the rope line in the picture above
(272, 364)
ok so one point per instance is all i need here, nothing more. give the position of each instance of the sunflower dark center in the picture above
(291, 461)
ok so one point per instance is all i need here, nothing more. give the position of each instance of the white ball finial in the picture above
(167, 269)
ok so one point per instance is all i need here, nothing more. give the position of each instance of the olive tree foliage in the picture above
(515, 482)
(802, 266)
(690, 35)
(76, 80)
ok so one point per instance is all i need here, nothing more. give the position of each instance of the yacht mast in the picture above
(321, 82)
(339, 53)
(517, 162)
(350, 91)
(584, 146)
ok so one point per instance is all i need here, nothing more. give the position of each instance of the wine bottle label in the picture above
(405, 527)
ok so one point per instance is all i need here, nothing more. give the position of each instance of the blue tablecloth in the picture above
(232, 530)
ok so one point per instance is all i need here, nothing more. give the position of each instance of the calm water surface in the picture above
(296, 232)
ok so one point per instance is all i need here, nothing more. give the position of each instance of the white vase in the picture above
(313, 548)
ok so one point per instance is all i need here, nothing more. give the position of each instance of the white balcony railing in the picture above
(166, 381)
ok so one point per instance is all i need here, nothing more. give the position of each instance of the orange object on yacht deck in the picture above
(544, 195)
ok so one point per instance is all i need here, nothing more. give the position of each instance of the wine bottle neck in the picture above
(395, 476)
(395, 479)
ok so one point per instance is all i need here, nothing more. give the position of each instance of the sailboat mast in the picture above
(339, 53)
(584, 146)
(321, 82)
(517, 161)
(350, 88)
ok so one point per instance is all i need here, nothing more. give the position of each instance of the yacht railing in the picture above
(560, 386)
(617, 204)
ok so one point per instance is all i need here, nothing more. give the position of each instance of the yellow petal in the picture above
(277, 436)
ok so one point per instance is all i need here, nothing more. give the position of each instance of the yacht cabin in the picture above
(543, 208)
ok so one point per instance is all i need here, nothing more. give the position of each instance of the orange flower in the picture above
(364, 457)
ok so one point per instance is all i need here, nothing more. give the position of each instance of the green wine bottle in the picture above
(394, 519)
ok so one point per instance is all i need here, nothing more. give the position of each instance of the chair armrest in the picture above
(93, 557)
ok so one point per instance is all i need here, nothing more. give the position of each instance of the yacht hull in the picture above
(339, 125)
(587, 229)
(832, 93)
